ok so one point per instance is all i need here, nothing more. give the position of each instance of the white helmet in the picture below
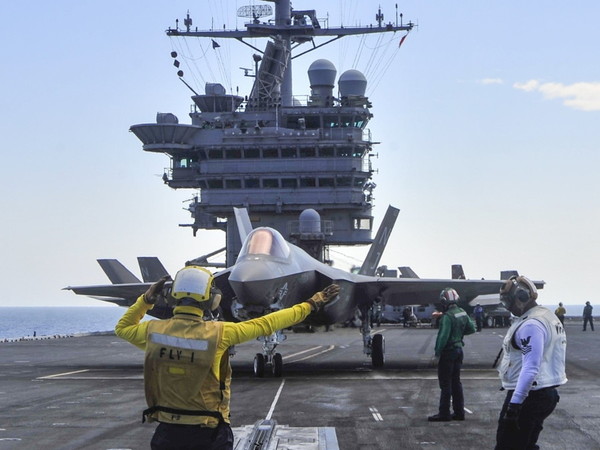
(195, 283)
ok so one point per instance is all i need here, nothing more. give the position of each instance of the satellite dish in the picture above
(255, 11)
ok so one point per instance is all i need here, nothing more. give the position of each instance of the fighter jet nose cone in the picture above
(248, 271)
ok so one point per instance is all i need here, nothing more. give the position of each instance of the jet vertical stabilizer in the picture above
(457, 272)
(407, 272)
(116, 272)
(369, 266)
(506, 274)
(151, 268)
(243, 222)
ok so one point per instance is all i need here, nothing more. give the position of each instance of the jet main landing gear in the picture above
(373, 345)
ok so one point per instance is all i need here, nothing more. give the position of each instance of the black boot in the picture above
(439, 418)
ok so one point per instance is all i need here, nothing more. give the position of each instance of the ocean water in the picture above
(18, 322)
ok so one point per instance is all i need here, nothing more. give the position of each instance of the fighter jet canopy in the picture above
(265, 241)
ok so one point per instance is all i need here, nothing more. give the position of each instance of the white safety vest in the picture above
(552, 368)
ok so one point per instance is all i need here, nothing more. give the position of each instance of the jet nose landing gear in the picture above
(262, 362)
(268, 358)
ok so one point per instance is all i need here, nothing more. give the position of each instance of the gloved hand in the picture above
(511, 416)
(152, 294)
(320, 298)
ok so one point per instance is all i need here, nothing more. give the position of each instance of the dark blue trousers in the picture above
(168, 436)
(449, 378)
(537, 406)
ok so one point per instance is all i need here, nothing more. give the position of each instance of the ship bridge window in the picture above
(183, 163)
(265, 241)
(346, 121)
(359, 123)
(357, 152)
(288, 153)
(270, 183)
(308, 153)
(289, 183)
(326, 152)
(331, 121)
(215, 154)
(292, 122)
(312, 122)
(270, 153)
(233, 184)
(326, 182)
(359, 182)
(344, 152)
(251, 153)
(233, 153)
(308, 182)
(362, 223)
(215, 184)
(344, 181)
(251, 183)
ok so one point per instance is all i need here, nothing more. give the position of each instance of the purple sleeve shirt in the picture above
(530, 338)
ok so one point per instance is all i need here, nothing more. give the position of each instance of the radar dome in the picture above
(322, 72)
(310, 221)
(352, 82)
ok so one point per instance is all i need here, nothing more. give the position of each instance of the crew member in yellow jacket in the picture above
(187, 374)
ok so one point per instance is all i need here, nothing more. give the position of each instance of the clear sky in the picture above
(488, 118)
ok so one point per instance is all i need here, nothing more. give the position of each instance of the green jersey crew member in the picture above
(454, 324)
(187, 374)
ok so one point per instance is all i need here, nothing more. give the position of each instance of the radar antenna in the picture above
(255, 11)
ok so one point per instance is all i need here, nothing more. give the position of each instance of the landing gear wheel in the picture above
(259, 365)
(277, 365)
(378, 350)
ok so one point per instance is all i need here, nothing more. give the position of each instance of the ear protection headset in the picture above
(518, 288)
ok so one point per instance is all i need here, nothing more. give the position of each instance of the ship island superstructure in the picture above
(271, 152)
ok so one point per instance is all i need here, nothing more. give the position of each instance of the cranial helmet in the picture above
(448, 297)
(518, 288)
(193, 286)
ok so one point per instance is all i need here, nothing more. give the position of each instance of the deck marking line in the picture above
(61, 374)
(468, 410)
(328, 349)
(275, 400)
(302, 352)
(375, 413)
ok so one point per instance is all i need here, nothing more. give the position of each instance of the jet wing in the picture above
(416, 291)
(127, 291)
(123, 295)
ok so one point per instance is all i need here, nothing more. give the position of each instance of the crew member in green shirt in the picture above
(454, 324)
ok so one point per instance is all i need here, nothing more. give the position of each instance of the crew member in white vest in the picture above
(533, 366)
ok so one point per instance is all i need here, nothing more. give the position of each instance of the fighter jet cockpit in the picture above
(265, 241)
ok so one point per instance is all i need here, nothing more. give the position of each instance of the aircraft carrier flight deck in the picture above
(87, 393)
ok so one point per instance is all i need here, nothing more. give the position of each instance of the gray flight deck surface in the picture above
(87, 393)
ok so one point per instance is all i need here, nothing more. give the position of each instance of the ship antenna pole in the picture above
(189, 87)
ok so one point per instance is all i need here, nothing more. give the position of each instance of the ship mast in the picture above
(291, 27)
